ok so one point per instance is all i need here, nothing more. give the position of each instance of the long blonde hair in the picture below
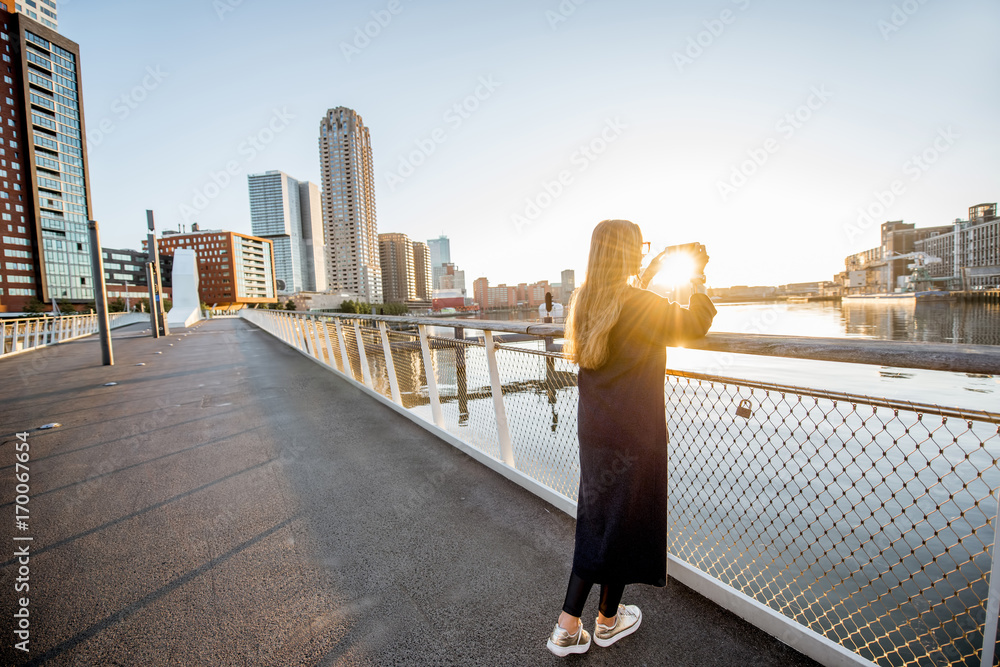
(615, 256)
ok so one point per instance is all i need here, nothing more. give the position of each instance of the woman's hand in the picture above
(652, 269)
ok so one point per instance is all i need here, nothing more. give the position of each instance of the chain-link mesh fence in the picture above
(864, 520)
(868, 521)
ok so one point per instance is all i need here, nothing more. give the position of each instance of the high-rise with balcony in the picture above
(44, 184)
(43, 11)
(288, 212)
(350, 229)
(398, 278)
(422, 270)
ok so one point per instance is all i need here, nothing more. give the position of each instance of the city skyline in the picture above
(512, 135)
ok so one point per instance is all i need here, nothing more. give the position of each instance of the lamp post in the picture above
(159, 320)
(100, 294)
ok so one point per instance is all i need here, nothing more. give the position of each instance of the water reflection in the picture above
(927, 322)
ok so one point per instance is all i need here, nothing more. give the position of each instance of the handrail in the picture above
(956, 358)
(23, 334)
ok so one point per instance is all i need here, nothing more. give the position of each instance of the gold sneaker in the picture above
(627, 621)
(562, 643)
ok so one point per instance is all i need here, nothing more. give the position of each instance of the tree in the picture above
(290, 305)
(67, 307)
(34, 306)
(115, 305)
(356, 307)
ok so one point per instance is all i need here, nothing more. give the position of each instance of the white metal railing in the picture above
(856, 529)
(34, 333)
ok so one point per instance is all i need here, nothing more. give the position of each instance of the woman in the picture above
(617, 332)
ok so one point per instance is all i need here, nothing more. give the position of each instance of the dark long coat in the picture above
(621, 524)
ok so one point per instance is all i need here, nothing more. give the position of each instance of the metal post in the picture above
(156, 285)
(38, 332)
(432, 387)
(314, 337)
(100, 294)
(503, 429)
(993, 601)
(389, 365)
(154, 320)
(330, 360)
(365, 371)
(307, 323)
(307, 345)
(344, 359)
(461, 378)
(16, 347)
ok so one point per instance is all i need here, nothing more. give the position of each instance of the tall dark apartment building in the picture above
(44, 184)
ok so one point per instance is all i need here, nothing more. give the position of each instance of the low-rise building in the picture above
(234, 268)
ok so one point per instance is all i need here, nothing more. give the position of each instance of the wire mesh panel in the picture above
(868, 524)
(466, 396)
(540, 396)
(351, 342)
(375, 356)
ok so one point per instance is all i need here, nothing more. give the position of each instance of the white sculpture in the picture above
(186, 308)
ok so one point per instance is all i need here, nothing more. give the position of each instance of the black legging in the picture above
(579, 589)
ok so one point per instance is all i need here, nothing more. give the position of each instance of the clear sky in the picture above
(759, 128)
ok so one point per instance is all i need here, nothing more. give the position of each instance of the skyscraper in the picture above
(440, 255)
(43, 11)
(398, 279)
(350, 229)
(287, 212)
(44, 184)
(422, 270)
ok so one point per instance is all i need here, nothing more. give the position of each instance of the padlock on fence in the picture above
(744, 409)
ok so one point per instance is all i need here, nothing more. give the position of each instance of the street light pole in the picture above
(100, 294)
(155, 285)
